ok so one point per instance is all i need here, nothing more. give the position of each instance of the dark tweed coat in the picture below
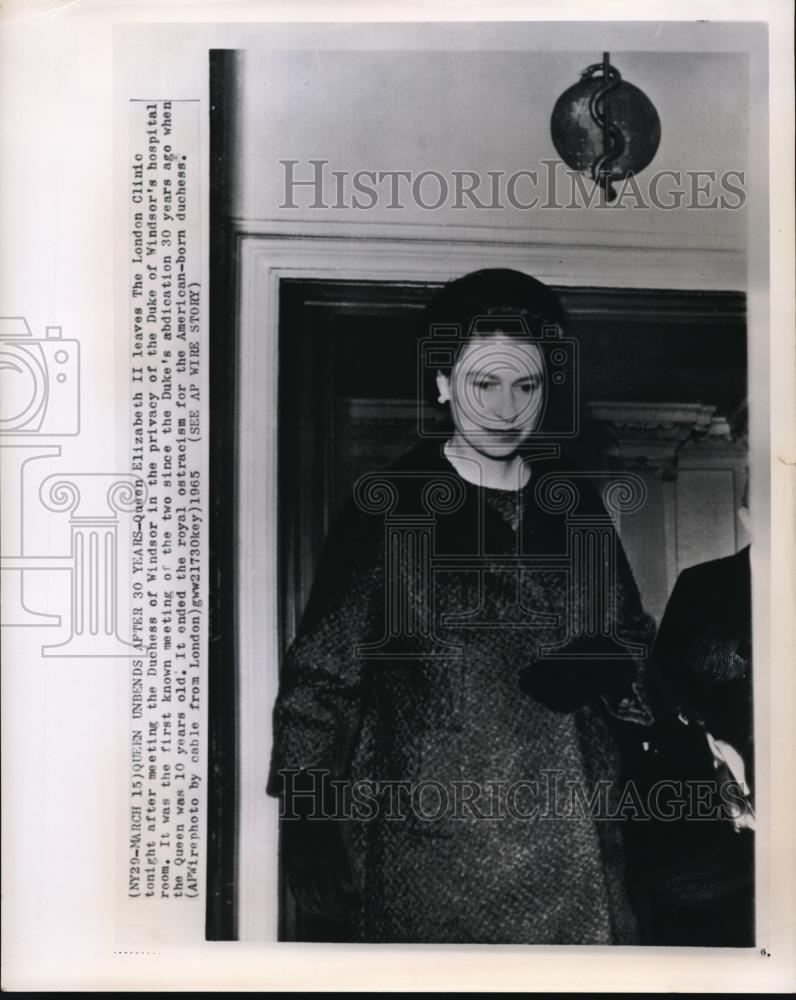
(487, 718)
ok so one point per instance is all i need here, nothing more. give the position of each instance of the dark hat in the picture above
(495, 292)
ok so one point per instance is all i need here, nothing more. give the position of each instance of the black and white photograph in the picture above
(487, 420)
(397, 476)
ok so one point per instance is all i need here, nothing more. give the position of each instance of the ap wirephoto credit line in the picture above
(168, 609)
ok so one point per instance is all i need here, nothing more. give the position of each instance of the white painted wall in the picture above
(479, 109)
(424, 108)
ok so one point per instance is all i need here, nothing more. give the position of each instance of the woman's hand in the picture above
(565, 685)
(318, 867)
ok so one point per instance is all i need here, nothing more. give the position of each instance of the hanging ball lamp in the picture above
(605, 127)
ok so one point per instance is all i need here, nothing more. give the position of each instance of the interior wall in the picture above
(480, 110)
(266, 261)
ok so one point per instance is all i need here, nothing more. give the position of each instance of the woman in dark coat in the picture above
(474, 633)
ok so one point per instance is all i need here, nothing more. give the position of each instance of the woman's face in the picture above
(496, 393)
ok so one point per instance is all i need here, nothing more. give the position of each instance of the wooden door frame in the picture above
(263, 259)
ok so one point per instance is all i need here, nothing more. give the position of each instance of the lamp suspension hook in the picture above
(613, 140)
(605, 127)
